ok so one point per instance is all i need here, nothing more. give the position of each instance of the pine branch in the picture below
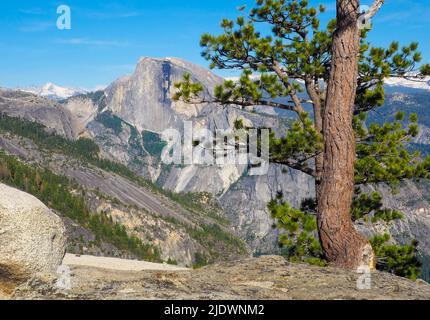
(245, 103)
(303, 167)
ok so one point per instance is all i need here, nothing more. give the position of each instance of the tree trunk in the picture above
(318, 122)
(342, 244)
(317, 108)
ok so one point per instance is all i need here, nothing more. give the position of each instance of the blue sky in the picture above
(108, 37)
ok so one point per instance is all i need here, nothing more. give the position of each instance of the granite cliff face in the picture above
(144, 98)
(140, 103)
(246, 201)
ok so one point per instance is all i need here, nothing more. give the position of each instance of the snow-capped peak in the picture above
(423, 84)
(53, 91)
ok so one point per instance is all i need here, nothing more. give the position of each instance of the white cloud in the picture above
(32, 11)
(93, 42)
(36, 26)
(113, 15)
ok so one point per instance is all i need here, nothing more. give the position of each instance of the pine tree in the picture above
(343, 77)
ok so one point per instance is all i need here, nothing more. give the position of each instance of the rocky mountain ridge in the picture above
(264, 278)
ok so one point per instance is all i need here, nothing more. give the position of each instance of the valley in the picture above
(135, 204)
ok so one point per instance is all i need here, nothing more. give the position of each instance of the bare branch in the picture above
(247, 103)
(374, 8)
(280, 73)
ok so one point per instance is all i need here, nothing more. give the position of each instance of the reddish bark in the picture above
(342, 244)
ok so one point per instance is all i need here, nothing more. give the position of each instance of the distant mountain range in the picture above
(411, 84)
(398, 84)
(53, 91)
